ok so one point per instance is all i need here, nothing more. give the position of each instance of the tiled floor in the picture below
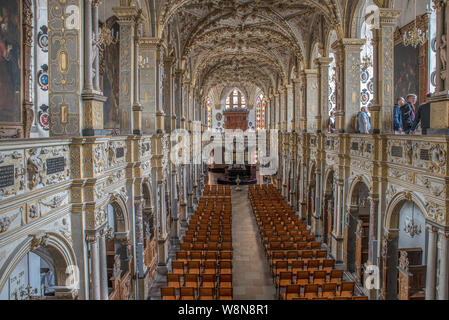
(251, 274)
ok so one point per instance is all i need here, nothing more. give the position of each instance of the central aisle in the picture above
(252, 278)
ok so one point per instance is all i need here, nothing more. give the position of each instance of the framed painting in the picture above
(11, 64)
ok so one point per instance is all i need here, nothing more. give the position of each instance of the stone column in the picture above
(92, 241)
(339, 209)
(383, 44)
(323, 93)
(126, 19)
(374, 202)
(137, 106)
(318, 202)
(347, 55)
(303, 106)
(290, 117)
(96, 4)
(88, 42)
(311, 98)
(103, 266)
(443, 291)
(160, 114)
(271, 111)
(296, 103)
(431, 263)
(278, 111)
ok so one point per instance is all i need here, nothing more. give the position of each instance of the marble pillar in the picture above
(443, 291)
(103, 266)
(431, 263)
(92, 241)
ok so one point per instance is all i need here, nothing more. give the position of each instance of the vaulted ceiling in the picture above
(241, 42)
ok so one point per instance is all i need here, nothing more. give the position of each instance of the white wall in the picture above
(405, 240)
(408, 10)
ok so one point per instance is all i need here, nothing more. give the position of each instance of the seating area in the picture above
(301, 269)
(203, 266)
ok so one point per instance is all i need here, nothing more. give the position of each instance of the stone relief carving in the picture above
(5, 222)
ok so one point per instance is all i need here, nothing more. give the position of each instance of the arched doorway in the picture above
(358, 229)
(119, 257)
(404, 249)
(311, 195)
(43, 267)
(328, 208)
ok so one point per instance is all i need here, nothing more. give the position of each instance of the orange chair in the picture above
(336, 276)
(187, 294)
(297, 265)
(329, 290)
(311, 291)
(292, 292)
(225, 281)
(328, 265)
(225, 294)
(225, 267)
(182, 256)
(210, 267)
(360, 298)
(347, 289)
(193, 267)
(226, 255)
(313, 265)
(169, 294)
(302, 277)
(319, 277)
(281, 266)
(191, 281)
(285, 279)
(177, 267)
(174, 281)
(206, 294)
(208, 280)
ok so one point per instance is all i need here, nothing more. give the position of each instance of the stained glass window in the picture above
(209, 113)
(236, 100)
(260, 113)
(367, 71)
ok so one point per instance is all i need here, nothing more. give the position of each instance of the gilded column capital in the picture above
(91, 238)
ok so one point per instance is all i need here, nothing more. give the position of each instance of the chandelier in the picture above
(415, 37)
(411, 227)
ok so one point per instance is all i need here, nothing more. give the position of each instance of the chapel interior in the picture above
(98, 98)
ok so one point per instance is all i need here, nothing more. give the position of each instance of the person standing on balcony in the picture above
(331, 123)
(397, 115)
(408, 112)
(364, 122)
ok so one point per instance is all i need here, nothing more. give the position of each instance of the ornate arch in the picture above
(119, 200)
(391, 220)
(55, 246)
(353, 186)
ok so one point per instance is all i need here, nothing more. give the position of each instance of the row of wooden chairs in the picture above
(203, 256)
(197, 281)
(189, 294)
(304, 274)
(203, 266)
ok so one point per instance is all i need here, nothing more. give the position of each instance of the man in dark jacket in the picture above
(423, 117)
(397, 115)
(408, 112)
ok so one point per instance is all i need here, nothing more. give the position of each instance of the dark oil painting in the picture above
(406, 71)
(10, 64)
(111, 88)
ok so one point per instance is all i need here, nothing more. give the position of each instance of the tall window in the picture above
(209, 113)
(236, 100)
(260, 113)
(367, 71)
(332, 84)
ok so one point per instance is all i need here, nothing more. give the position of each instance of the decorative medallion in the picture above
(44, 117)
(42, 77)
(371, 86)
(365, 97)
(42, 38)
(365, 75)
(219, 116)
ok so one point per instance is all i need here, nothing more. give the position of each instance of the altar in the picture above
(245, 173)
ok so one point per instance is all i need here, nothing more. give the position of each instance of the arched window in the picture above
(236, 100)
(332, 75)
(209, 113)
(367, 71)
(260, 113)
